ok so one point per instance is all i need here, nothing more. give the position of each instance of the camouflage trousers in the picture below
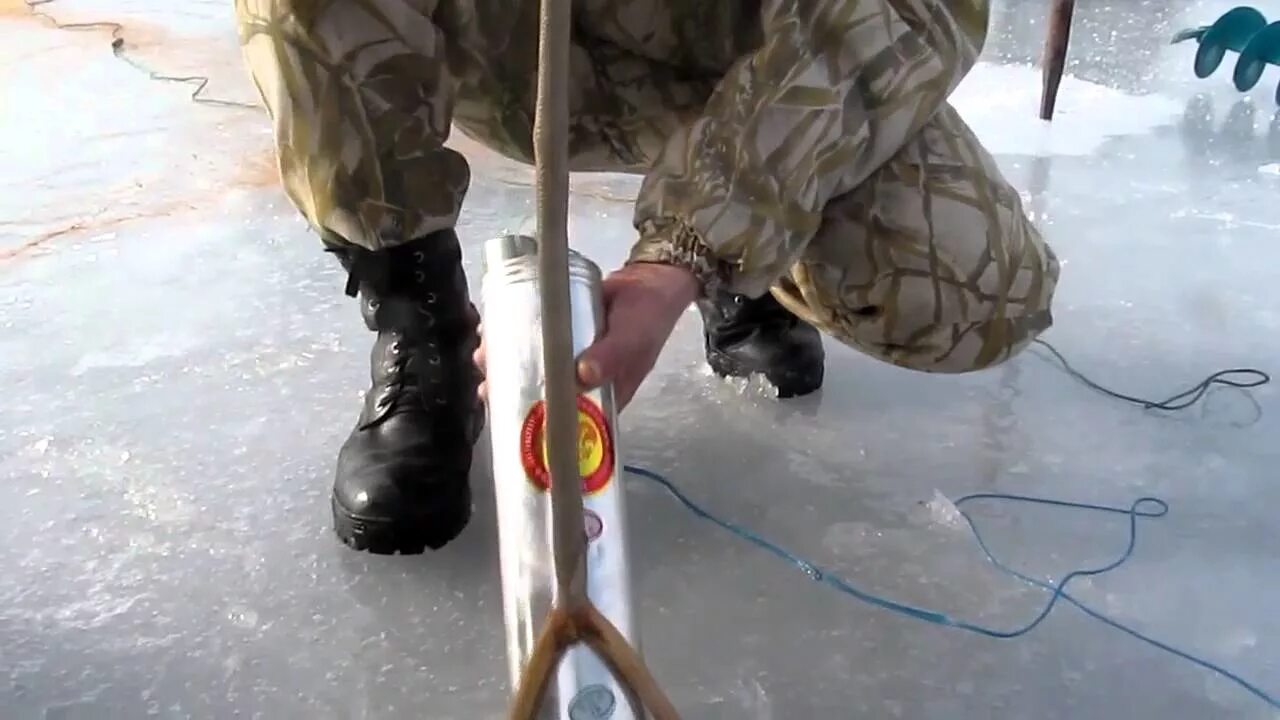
(926, 261)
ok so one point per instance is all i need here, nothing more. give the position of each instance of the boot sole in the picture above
(788, 384)
(406, 535)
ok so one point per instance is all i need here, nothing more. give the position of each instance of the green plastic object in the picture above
(1243, 30)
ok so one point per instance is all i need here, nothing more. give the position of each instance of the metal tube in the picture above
(574, 617)
(584, 687)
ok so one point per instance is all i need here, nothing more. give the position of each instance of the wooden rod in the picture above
(1055, 54)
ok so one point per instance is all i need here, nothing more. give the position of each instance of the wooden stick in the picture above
(573, 617)
(564, 630)
(551, 645)
(551, 155)
(626, 664)
(1055, 54)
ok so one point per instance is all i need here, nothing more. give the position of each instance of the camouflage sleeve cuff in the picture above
(672, 242)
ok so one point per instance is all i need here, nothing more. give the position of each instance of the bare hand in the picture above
(642, 304)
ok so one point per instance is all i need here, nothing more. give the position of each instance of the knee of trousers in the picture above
(922, 313)
(360, 113)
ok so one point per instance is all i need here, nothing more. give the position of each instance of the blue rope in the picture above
(1147, 507)
(1154, 508)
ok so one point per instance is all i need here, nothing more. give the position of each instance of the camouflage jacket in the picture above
(834, 90)
(746, 117)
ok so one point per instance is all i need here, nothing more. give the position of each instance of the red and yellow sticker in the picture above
(595, 447)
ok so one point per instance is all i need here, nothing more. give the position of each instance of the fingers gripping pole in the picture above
(574, 618)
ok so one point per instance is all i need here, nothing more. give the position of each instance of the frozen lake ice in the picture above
(179, 366)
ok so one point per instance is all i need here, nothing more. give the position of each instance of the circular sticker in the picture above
(593, 702)
(593, 524)
(595, 447)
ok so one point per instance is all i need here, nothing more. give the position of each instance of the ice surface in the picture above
(943, 511)
(180, 365)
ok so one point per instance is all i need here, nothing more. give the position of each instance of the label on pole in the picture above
(594, 702)
(593, 524)
(595, 447)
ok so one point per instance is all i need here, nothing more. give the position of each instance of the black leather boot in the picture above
(402, 479)
(746, 337)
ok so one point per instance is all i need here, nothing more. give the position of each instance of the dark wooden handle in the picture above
(1055, 54)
